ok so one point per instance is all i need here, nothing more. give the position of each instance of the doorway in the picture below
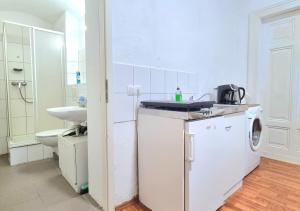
(276, 79)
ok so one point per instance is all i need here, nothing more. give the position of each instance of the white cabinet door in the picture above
(234, 134)
(161, 163)
(204, 159)
(67, 160)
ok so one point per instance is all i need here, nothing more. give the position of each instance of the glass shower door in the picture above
(49, 78)
(19, 71)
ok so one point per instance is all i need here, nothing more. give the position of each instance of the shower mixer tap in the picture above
(19, 84)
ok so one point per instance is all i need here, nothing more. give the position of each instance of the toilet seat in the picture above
(50, 133)
(50, 137)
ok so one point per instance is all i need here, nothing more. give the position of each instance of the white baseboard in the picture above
(284, 158)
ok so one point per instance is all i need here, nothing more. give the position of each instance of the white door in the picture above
(203, 168)
(279, 88)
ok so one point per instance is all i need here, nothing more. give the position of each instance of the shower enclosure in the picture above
(31, 80)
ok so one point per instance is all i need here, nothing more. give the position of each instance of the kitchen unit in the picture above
(73, 160)
(188, 161)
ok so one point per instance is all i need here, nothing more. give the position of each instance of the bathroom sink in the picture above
(73, 114)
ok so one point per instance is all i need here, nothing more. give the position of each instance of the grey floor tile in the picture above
(38, 186)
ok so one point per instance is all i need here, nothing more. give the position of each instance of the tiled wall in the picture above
(19, 56)
(156, 84)
(3, 101)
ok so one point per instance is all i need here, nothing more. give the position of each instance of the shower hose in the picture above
(20, 84)
(23, 98)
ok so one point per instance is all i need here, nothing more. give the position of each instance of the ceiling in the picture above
(48, 10)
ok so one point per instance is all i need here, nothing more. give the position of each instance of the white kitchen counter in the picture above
(217, 110)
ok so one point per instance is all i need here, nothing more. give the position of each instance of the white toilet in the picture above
(50, 137)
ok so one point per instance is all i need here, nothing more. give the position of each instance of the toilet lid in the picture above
(50, 133)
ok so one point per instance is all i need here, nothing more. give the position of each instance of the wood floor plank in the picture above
(273, 186)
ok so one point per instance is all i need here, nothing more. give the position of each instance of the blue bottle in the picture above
(77, 77)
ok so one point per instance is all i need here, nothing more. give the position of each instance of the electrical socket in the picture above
(134, 90)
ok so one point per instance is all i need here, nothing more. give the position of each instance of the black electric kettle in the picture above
(230, 94)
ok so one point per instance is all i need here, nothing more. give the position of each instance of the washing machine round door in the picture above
(255, 133)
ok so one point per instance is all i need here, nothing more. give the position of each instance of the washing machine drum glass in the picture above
(256, 134)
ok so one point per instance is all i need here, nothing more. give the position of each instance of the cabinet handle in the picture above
(189, 154)
(228, 128)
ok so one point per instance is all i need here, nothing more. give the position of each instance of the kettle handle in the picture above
(244, 93)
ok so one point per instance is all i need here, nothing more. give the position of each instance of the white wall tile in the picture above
(18, 155)
(15, 75)
(138, 100)
(3, 146)
(2, 76)
(29, 109)
(157, 81)
(29, 90)
(72, 67)
(35, 152)
(171, 81)
(170, 97)
(18, 126)
(48, 152)
(1, 51)
(14, 52)
(29, 125)
(158, 96)
(3, 108)
(14, 92)
(142, 78)
(13, 33)
(27, 53)
(26, 36)
(2, 89)
(17, 108)
(123, 76)
(28, 72)
(193, 84)
(71, 78)
(3, 128)
(183, 81)
(123, 108)
(125, 157)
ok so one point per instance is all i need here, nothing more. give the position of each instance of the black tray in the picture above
(185, 106)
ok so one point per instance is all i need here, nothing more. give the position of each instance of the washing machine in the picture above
(253, 138)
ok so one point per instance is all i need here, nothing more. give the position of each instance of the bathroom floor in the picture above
(38, 186)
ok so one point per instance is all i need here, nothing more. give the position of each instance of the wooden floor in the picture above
(273, 186)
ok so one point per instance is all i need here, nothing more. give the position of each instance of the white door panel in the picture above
(280, 84)
(279, 80)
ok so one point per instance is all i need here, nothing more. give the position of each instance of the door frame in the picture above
(99, 92)
(256, 21)
(255, 29)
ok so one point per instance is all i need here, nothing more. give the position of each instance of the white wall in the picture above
(186, 36)
(207, 38)
(60, 23)
(24, 18)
